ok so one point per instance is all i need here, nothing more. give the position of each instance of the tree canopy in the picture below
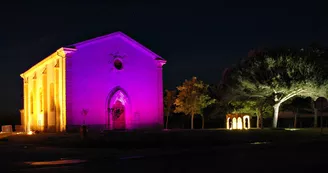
(278, 75)
(192, 98)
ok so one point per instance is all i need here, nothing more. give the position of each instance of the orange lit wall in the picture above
(44, 109)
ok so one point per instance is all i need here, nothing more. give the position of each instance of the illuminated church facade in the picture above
(110, 82)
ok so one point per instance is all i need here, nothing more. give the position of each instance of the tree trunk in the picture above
(192, 120)
(257, 118)
(275, 115)
(203, 122)
(261, 119)
(257, 121)
(315, 117)
(167, 121)
(295, 118)
(315, 111)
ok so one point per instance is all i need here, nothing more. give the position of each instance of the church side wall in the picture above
(42, 93)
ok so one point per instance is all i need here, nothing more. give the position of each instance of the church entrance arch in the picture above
(118, 115)
(118, 109)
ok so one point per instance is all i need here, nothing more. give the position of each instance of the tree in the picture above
(238, 101)
(320, 54)
(264, 110)
(297, 105)
(221, 105)
(192, 98)
(315, 113)
(169, 100)
(279, 75)
(258, 107)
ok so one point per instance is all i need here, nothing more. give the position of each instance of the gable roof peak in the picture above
(116, 34)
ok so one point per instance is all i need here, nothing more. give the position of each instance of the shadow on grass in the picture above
(5, 139)
(166, 139)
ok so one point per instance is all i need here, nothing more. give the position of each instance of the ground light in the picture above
(55, 162)
(291, 129)
(259, 143)
(30, 133)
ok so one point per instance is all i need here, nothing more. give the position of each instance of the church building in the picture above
(110, 82)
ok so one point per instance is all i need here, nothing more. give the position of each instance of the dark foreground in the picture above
(301, 153)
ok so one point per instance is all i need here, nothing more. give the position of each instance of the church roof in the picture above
(116, 34)
(75, 46)
(60, 52)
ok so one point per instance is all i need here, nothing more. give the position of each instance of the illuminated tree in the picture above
(315, 113)
(279, 75)
(258, 107)
(297, 105)
(192, 98)
(169, 100)
(221, 105)
(320, 54)
(235, 100)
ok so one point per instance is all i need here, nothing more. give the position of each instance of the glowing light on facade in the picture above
(228, 123)
(72, 79)
(234, 123)
(120, 97)
(35, 109)
(30, 133)
(238, 121)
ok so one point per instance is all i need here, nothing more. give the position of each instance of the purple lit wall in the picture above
(94, 84)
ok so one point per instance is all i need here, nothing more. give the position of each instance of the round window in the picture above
(118, 64)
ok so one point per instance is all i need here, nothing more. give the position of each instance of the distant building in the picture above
(110, 82)
(238, 121)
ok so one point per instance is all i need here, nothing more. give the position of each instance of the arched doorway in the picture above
(118, 115)
(246, 122)
(118, 110)
(234, 123)
(228, 123)
(240, 123)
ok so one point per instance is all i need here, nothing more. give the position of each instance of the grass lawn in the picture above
(4, 136)
(170, 138)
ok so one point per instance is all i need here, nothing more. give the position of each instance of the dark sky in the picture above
(198, 38)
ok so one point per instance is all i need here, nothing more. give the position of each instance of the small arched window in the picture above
(118, 64)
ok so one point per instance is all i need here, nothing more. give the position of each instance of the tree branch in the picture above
(290, 95)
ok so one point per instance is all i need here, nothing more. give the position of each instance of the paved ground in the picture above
(274, 156)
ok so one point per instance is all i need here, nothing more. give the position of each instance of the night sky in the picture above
(196, 38)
